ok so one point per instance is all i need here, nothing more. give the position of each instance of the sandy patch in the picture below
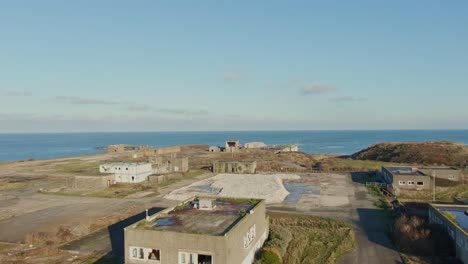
(263, 186)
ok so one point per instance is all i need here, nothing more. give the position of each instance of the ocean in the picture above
(55, 145)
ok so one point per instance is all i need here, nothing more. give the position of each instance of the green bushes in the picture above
(268, 257)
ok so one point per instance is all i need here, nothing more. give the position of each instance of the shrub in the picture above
(269, 257)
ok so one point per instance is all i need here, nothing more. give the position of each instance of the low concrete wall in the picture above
(89, 182)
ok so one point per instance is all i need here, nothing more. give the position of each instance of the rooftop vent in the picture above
(206, 204)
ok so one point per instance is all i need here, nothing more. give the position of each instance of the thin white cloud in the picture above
(317, 89)
(348, 99)
(76, 100)
(16, 93)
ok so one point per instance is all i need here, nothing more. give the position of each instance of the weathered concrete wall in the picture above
(234, 166)
(456, 233)
(89, 182)
(228, 249)
(168, 164)
(449, 174)
(232, 145)
(258, 220)
(165, 177)
(408, 179)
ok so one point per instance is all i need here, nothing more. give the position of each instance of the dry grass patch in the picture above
(10, 184)
(300, 239)
(443, 194)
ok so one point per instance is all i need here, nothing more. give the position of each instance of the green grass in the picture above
(443, 194)
(119, 190)
(307, 239)
(188, 175)
(4, 246)
(79, 167)
(345, 164)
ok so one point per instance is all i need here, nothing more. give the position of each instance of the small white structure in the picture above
(255, 145)
(130, 172)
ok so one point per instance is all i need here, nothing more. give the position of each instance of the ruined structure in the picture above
(169, 164)
(232, 145)
(454, 219)
(214, 149)
(234, 167)
(121, 148)
(130, 172)
(200, 231)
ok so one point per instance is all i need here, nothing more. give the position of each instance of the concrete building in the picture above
(199, 231)
(129, 172)
(418, 178)
(255, 145)
(169, 164)
(234, 167)
(454, 218)
(214, 149)
(232, 145)
(121, 148)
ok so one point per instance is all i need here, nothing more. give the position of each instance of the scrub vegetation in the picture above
(304, 239)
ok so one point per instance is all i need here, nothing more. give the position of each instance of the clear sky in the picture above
(232, 65)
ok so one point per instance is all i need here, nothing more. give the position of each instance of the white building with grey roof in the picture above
(128, 172)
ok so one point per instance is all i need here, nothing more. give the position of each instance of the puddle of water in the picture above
(164, 222)
(208, 189)
(460, 215)
(296, 190)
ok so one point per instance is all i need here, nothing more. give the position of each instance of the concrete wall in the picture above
(235, 237)
(168, 164)
(89, 182)
(214, 149)
(409, 182)
(234, 166)
(458, 235)
(163, 178)
(228, 249)
(449, 174)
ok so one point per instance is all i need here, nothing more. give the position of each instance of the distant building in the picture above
(232, 145)
(418, 178)
(169, 163)
(129, 172)
(214, 149)
(234, 167)
(454, 219)
(121, 148)
(255, 145)
(200, 231)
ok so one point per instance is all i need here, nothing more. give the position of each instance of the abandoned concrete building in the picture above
(120, 148)
(454, 219)
(232, 145)
(129, 172)
(418, 178)
(169, 164)
(255, 145)
(150, 151)
(206, 230)
(214, 149)
(234, 166)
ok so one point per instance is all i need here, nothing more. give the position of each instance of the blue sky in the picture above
(232, 65)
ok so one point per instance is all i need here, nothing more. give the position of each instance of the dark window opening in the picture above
(142, 254)
(154, 255)
(420, 183)
(204, 259)
(133, 178)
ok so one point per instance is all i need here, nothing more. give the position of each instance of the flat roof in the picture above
(186, 218)
(124, 163)
(405, 171)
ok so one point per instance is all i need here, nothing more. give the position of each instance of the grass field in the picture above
(7, 184)
(300, 239)
(443, 194)
(351, 165)
(4, 246)
(79, 167)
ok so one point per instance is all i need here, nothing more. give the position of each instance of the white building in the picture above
(131, 172)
